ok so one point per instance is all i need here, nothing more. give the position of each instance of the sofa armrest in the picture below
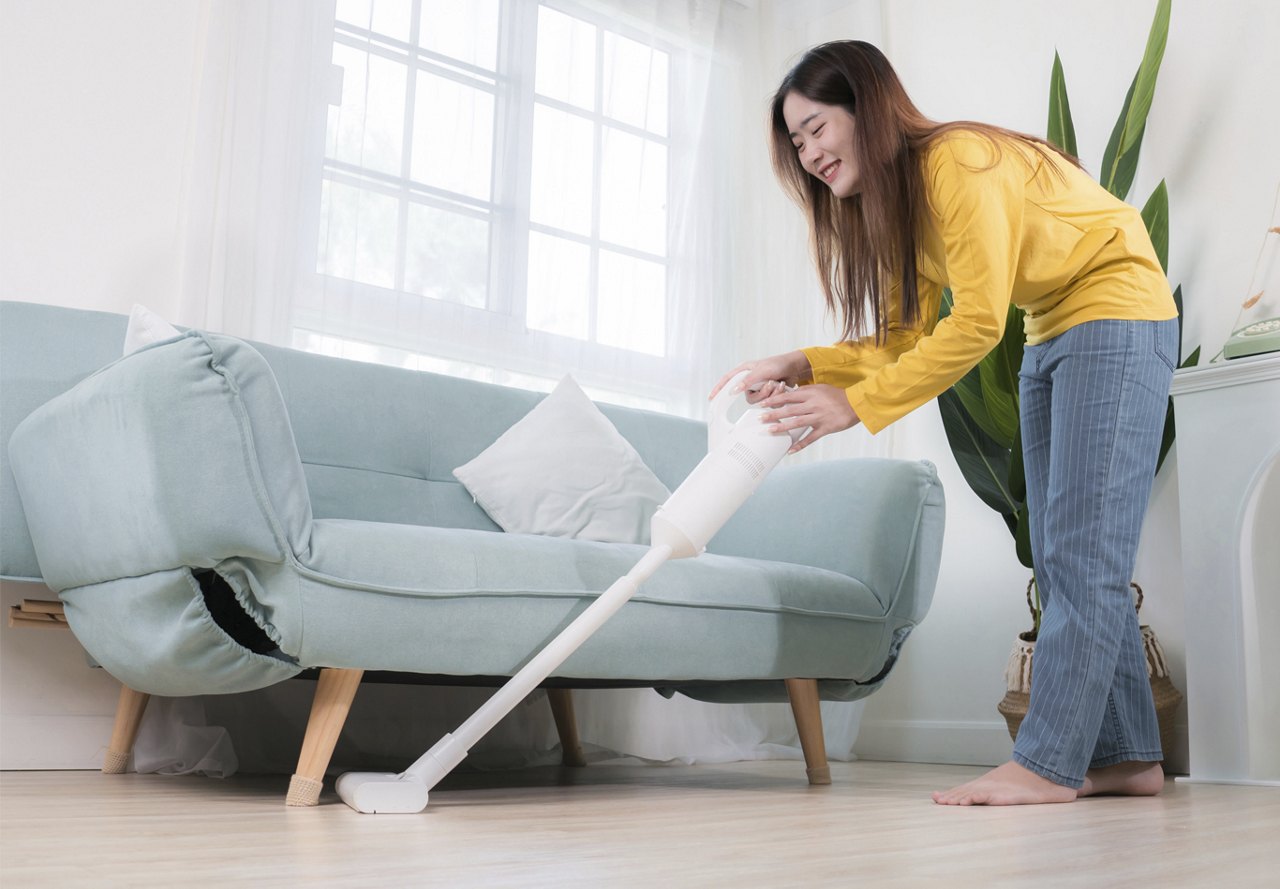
(879, 521)
(178, 455)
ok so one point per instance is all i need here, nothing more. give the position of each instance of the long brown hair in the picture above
(864, 242)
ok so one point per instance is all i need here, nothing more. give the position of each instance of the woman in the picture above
(899, 207)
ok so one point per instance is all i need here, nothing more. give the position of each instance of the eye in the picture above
(818, 130)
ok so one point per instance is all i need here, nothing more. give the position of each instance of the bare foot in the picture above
(1006, 785)
(1125, 778)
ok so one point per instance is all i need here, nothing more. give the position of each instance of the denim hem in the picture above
(1056, 778)
(1128, 756)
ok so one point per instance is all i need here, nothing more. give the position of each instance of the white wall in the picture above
(91, 180)
(95, 100)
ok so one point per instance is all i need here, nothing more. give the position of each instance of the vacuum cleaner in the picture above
(739, 456)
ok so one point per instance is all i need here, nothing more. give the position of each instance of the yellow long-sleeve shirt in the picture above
(1059, 246)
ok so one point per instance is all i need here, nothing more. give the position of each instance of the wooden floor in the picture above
(629, 824)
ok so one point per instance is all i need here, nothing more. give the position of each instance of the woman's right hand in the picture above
(789, 369)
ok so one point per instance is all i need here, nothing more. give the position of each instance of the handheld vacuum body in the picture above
(740, 455)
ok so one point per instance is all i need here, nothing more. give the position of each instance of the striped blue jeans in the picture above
(1093, 404)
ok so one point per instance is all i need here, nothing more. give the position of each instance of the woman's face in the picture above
(823, 137)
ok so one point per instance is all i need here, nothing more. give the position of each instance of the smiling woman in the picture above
(824, 137)
(900, 207)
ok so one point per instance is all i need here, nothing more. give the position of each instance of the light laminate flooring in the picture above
(626, 824)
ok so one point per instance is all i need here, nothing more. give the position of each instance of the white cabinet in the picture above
(1228, 443)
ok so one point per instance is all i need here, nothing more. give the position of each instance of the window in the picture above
(495, 194)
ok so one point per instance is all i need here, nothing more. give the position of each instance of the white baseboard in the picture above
(53, 742)
(955, 743)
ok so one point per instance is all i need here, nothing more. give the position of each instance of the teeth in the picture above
(825, 172)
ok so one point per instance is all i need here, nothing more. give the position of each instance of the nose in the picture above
(810, 156)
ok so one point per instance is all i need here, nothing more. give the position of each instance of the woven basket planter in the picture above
(1017, 675)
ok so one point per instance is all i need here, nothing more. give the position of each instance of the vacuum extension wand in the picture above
(740, 455)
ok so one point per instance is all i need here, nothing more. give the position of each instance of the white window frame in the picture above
(496, 335)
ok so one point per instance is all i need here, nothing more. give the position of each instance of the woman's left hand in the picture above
(824, 409)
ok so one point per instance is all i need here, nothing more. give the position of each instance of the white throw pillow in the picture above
(563, 470)
(146, 327)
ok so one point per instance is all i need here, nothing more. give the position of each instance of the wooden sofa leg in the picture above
(808, 714)
(567, 726)
(335, 691)
(129, 712)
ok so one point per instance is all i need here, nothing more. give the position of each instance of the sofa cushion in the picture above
(156, 635)
(562, 470)
(461, 602)
(179, 454)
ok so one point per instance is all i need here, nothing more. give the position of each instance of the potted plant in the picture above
(981, 413)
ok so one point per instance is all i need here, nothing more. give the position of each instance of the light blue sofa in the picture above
(217, 517)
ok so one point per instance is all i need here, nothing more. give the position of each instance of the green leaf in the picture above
(1018, 490)
(1120, 160)
(998, 372)
(1017, 474)
(1118, 169)
(1146, 79)
(1156, 216)
(1001, 404)
(969, 387)
(1167, 436)
(1062, 131)
(982, 460)
(1022, 540)
(1170, 425)
(1177, 301)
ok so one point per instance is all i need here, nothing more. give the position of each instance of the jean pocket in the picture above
(1166, 342)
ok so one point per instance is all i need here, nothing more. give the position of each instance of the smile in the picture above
(829, 171)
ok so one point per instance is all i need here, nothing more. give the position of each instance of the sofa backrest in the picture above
(44, 351)
(376, 443)
(380, 443)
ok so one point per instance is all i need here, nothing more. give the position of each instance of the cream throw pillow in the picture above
(146, 327)
(563, 470)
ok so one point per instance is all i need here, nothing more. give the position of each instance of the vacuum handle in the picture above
(718, 424)
(452, 748)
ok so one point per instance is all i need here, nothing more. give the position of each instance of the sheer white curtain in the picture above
(510, 190)
(246, 197)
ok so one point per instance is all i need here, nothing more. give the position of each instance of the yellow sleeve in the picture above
(979, 218)
(848, 363)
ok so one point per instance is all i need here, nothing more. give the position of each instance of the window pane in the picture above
(566, 65)
(357, 235)
(633, 192)
(452, 136)
(632, 307)
(562, 170)
(446, 256)
(635, 83)
(389, 17)
(367, 129)
(558, 298)
(466, 30)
